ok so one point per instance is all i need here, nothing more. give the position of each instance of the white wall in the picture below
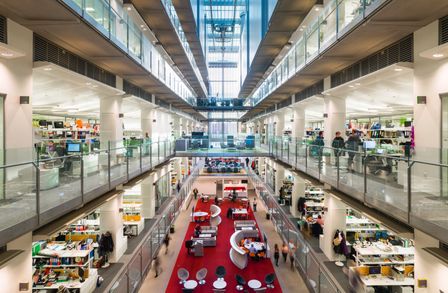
(16, 81)
(206, 185)
(429, 267)
(19, 269)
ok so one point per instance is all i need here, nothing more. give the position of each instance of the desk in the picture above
(136, 226)
(259, 246)
(219, 284)
(254, 284)
(380, 280)
(205, 235)
(200, 216)
(190, 284)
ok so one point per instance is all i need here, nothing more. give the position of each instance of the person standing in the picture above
(255, 204)
(338, 144)
(247, 162)
(292, 258)
(285, 251)
(276, 254)
(352, 145)
(166, 241)
(195, 193)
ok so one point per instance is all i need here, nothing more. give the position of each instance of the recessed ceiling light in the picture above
(317, 9)
(90, 9)
(129, 8)
(5, 54)
(72, 110)
(357, 83)
(145, 29)
(142, 25)
(437, 55)
(94, 85)
(88, 83)
(48, 69)
(398, 69)
(351, 86)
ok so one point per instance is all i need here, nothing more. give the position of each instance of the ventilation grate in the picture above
(134, 90)
(401, 51)
(315, 89)
(3, 30)
(47, 51)
(443, 30)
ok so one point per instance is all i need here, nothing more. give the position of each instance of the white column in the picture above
(178, 169)
(279, 176)
(176, 125)
(110, 122)
(427, 266)
(111, 219)
(147, 116)
(335, 109)
(334, 219)
(19, 269)
(280, 124)
(148, 197)
(298, 190)
(16, 76)
(298, 125)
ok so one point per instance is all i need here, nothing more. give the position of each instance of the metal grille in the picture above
(443, 30)
(284, 103)
(134, 90)
(310, 91)
(401, 51)
(3, 30)
(47, 51)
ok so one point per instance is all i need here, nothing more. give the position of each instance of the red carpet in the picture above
(219, 255)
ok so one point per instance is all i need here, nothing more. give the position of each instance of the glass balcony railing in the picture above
(58, 180)
(391, 180)
(335, 20)
(115, 24)
(175, 21)
(220, 102)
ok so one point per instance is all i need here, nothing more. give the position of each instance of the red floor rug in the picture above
(219, 255)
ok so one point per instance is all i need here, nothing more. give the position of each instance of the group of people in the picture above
(285, 250)
(339, 146)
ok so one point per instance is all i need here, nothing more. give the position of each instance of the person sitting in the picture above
(229, 213)
(216, 200)
(247, 241)
(197, 230)
(252, 249)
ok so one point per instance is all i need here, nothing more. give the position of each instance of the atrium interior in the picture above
(223, 146)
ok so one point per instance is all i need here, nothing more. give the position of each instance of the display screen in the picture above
(73, 147)
(369, 144)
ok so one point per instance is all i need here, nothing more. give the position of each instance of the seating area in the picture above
(234, 248)
(223, 165)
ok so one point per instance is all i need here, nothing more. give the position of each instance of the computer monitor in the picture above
(375, 270)
(369, 144)
(73, 147)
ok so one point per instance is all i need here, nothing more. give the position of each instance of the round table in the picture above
(190, 284)
(200, 214)
(254, 284)
(219, 284)
(258, 245)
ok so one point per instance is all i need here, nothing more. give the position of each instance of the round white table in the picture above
(254, 284)
(200, 214)
(219, 284)
(258, 245)
(190, 284)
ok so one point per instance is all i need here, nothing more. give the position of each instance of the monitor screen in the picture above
(73, 147)
(369, 144)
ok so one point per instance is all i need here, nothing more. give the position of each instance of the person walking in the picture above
(285, 251)
(156, 265)
(166, 241)
(255, 204)
(292, 258)
(276, 254)
(338, 144)
(247, 162)
(195, 193)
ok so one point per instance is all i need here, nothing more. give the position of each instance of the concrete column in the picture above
(279, 176)
(148, 197)
(176, 126)
(16, 75)
(334, 219)
(19, 269)
(279, 124)
(178, 169)
(147, 116)
(335, 109)
(298, 190)
(298, 125)
(110, 121)
(111, 219)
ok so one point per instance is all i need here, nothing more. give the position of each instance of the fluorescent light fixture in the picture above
(90, 9)
(398, 69)
(437, 55)
(129, 8)
(351, 86)
(357, 83)
(7, 54)
(317, 9)
(48, 69)
(72, 110)
(88, 83)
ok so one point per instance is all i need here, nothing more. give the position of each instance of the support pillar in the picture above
(335, 218)
(148, 209)
(298, 126)
(298, 190)
(280, 124)
(110, 121)
(147, 115)
(279, 176)
(111, 219)
(335, 121)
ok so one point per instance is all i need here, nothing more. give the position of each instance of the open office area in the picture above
(223, 146)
